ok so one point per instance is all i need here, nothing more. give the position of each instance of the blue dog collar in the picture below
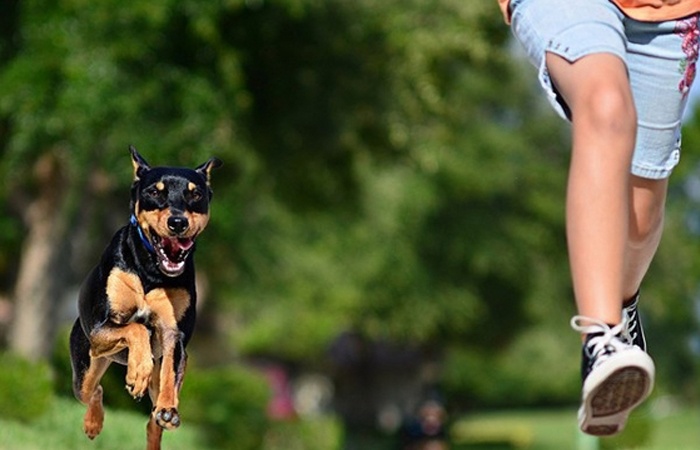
(145, 240)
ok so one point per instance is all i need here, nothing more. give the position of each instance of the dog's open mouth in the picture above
(172, 253)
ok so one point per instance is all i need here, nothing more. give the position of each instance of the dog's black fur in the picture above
(137, 306)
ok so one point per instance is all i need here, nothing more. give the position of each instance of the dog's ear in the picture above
(140, 164)
(205, 169)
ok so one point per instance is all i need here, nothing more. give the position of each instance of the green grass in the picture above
(648, 429)
(60, 428)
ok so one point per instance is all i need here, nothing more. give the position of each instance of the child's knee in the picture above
(609, 108)
(645, 227)
(647, 204)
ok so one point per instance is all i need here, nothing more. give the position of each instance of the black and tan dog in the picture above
(137, 306)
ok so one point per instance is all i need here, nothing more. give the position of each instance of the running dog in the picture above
(137, 306)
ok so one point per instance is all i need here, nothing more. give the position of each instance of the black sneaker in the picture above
(634, 333)
(617, 376)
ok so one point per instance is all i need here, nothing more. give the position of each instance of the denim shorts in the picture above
(660, 59)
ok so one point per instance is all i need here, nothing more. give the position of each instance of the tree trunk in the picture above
(41, 268)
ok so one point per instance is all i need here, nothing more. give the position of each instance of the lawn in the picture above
(60, 428)
(662, 425)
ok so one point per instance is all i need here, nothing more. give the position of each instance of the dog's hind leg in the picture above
(87, 373)
(79, 357)
(95, 414)
(154, 432)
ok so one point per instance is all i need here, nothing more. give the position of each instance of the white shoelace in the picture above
(604, 345)
(630, 314)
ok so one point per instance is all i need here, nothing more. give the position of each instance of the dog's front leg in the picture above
(168, 306)
(154, 429)
(165, 410)
(109, 340)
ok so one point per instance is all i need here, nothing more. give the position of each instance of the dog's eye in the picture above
(154, 193)
(195, 195)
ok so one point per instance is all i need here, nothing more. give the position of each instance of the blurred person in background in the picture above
(427, 429)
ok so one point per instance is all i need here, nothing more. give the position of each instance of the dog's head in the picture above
(170, 205)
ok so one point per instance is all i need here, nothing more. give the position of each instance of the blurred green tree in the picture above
(413, 200)
(389, 169)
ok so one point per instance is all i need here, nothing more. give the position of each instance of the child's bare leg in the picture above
(606, 212)
(648, 198)
(596, 89)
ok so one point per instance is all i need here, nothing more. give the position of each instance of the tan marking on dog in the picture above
(160, 186)
(135, 165)
(191, 186)
(154, 221)
(198, 222)
(207, 167)
(125, 294)
(168, 305)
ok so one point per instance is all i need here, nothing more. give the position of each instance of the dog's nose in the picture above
(178, 224)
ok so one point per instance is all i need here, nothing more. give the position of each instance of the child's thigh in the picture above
(570, 29)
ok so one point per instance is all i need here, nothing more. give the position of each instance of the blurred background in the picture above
(385, 267)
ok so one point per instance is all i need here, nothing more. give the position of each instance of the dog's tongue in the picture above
(175, 245)
(183, 244)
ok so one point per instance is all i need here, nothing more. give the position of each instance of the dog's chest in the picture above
(128, 302)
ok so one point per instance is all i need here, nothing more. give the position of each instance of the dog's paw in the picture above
(138, 375)
(92, 428)
(167, 418)
(92, 422)
(95, 414)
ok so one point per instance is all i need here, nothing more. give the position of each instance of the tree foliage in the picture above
(389, 169)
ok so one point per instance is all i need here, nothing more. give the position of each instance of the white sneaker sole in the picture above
(613, 389)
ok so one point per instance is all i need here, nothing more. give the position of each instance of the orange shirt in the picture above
(645, 10)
